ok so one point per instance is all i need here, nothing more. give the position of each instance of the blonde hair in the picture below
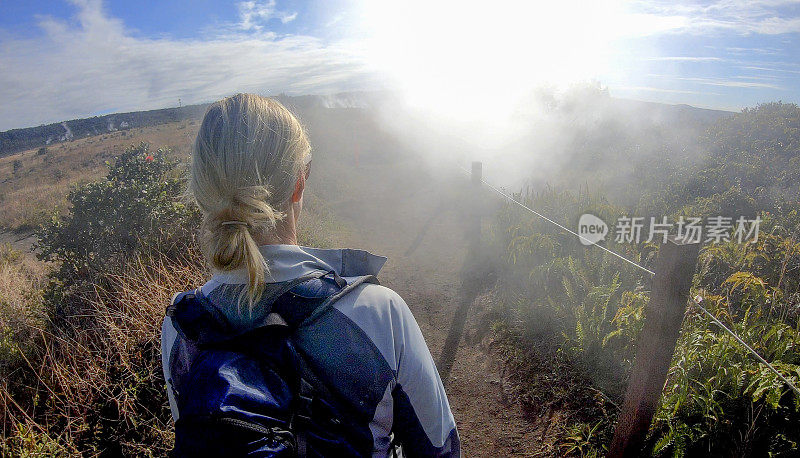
(246, 161)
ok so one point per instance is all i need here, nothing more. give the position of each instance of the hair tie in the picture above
(234, 223)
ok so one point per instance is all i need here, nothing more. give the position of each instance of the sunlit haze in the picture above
(466, 60)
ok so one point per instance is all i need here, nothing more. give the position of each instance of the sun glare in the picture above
(462, 59)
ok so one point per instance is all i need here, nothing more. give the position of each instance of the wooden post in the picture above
(469, 284)
(474, 223)
(477, 173)
(675, 267)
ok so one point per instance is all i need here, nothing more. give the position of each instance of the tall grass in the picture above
(98, 389)
(571, 319)
(82, 373)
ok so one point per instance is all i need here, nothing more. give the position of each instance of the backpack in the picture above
(252, 393)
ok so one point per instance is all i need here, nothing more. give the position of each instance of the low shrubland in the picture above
(79, 344)
(82, 368)
(571, 316)
(80, 350)
(35, 181)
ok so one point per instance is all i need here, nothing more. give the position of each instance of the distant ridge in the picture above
(16, 140)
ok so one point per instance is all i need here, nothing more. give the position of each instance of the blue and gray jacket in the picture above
(370, 344)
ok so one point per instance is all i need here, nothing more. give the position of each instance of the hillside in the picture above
(587, 138)
(349, 203)
(16, 140)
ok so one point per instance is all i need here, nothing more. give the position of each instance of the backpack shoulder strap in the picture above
(291, 284)
(197, 319)
(310, 385)
(326, 305)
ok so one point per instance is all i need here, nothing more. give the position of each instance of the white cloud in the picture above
(93, 63)
(657, 89)
(763, 51)
(74, 69)
(744, 17)
(286, 17)
(771, 69)
(752, 82)
(729, 83)
(755, 78)
(687, 59)
(253, 14)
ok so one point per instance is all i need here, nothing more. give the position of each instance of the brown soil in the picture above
(490, 422)
(20, 241)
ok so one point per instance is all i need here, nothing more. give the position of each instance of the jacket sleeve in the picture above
(423, 423)
(176, 357)
(168, 341)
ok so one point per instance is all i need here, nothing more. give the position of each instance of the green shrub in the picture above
(91, 381)
(718, 397)
(577, 302)
(137, 206)
(581, 310)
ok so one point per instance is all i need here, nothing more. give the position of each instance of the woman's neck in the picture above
(275, 238)
(285, 232)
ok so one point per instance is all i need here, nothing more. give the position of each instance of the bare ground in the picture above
(20, 241)
(490, 421)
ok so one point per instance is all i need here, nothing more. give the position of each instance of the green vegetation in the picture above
(136, 208)
(81, 367)
(576, 312)
(80, 359)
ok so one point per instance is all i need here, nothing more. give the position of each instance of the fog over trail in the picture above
(572, 139)
(392, 175)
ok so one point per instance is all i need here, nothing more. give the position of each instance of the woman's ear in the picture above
(299, 186)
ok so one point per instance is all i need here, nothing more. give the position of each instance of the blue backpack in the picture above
(253, 393)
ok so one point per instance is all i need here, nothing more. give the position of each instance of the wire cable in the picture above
(495, 189)
(695, 300)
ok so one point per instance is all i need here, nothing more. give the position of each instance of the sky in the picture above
(61, 60)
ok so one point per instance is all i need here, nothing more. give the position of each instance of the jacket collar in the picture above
(287, 262)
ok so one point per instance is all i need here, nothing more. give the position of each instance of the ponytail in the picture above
(246, 159)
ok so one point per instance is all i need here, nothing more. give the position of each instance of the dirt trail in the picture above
(385, 215)
(20, 241)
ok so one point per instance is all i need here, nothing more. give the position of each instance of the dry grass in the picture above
(90, 384)
(93, 384)
(26, 207)
(21, 315)
(21, 281)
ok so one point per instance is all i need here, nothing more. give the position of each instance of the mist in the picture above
(578, 138)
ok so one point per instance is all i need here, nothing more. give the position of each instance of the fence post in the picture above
(674, 269)
(469, 284)
(474, 223)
